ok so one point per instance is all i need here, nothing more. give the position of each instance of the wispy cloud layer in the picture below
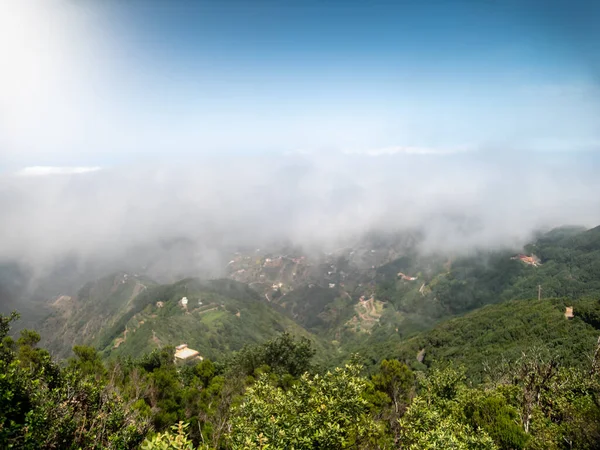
(407, 150)
(37, 171)
(318, 201)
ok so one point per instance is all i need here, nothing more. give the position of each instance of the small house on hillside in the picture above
(273, 263)
(529, 260)
(183, 353)
(406, 277)
(569, 312)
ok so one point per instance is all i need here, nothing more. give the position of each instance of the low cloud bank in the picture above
(459, 202)
(36, 171)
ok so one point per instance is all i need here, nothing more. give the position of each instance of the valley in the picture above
(364, 298)
(496, 348)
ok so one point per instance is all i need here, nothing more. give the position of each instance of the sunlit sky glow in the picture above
(104, 83)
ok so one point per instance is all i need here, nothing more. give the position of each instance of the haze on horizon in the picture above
(125, 123)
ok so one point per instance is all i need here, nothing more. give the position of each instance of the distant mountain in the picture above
(29, 290)
(32, 287)
(565, 264)
(322, 291)
(379, 290)
(13, 284)
(98, 305)
(127, 315)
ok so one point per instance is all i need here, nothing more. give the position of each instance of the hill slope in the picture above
(564, 263)
(81, 319)
(340, 297)
(121, 316)
(497, 333)
(414, 291)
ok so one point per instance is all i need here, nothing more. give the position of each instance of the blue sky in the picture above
(175, 79)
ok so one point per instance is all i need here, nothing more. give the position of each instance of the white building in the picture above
(183, 353)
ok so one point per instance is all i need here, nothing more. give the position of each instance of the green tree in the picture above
(435, 418)
(176, 439)
(326, 412)
(87, 361)
(424, 427)
(490, 411)
(205, 371)
(284, 354)
(396, 380)
(42, 406)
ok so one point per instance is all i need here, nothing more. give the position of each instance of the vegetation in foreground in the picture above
(271, 396)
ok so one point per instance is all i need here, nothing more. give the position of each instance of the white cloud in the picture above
(407, 150)
(318, 201)
(36, 171)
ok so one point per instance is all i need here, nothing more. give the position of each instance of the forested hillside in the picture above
(125, 315)
(487, 338)
(568, 267)
(341, 300)
(98, 305)
(420, 351)
(411, 292)
(272, 396)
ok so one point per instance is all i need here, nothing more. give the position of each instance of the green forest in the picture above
(274, 396)
(480, 351)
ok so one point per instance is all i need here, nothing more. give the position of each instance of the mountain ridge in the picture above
(329, 302)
